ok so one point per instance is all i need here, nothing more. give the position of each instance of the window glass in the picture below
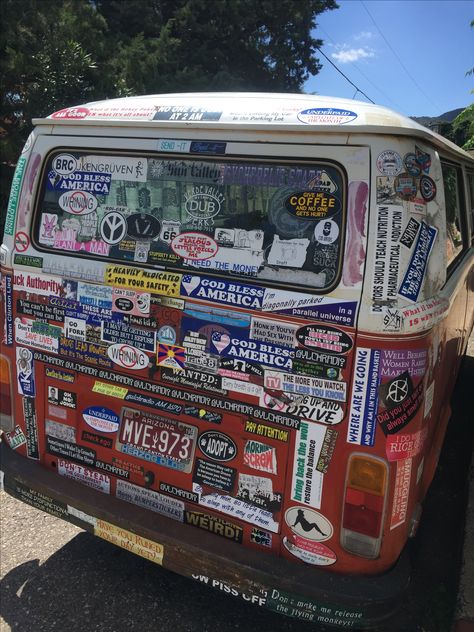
(470, 186)
(451, 178)
(280, 222)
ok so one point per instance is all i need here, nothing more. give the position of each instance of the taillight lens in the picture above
(364, 505)
(6, 403)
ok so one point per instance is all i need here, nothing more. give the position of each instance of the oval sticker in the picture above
(78, 202)
(326, 116)
(128, 357)
(101, 419)
(195, 246)
(308, 523)
(309, 551)
(64, 164)
(217, 446)
(312, 205)
(203, 205)
(324, 338)
(142, 226)
(124, 304)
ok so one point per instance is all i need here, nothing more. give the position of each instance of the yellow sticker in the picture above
(130, 541)
(165, 283)
(109, 389)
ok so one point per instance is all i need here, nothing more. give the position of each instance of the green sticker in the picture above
(14, 195)
(26, 260)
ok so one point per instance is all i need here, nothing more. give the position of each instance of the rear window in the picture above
(282, 222)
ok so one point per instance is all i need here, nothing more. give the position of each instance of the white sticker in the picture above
(121, 168)
(273, 331)
(48, 227)
(248, 388)
(308, 524)
(78, 202)
(64, 164)
(326, 232)
(74, 328)
(60, 431)
(24, 334)
(305, 385)
(128, 357)
(288, 252)
(81, 515)
(159, 503)
(307, 481)
(91, 478)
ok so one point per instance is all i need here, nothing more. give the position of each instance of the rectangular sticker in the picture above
(111, 390)
(307, 481)
(15, 438)
(71, 451)
(386, 255)
(25, 334)
(14, 195)
(84, 475)
(320, 308)
(60, 431)
(130, 541)
(8, 309)
(305, 385)
(215, 475)
(415, 273)
(116, 332)
(149, 499)
(32, 449)
(364, 397)
(273, 331)
(25, 372)
(41, 284)
(401, 493)
(119, 167)
(164, 283)
(222, 291)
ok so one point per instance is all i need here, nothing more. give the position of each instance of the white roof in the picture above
(281, 112)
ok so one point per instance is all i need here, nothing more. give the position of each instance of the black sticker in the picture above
(214, 475)
(29, 412)
(194, 379)
(395, 391)
(312, 205)
(396, 418)
(142, 226)
(207, 147)
(215, 525)
(110, 468)
(70, 451)
(410, 233)
(240, 366)
(91, 437)
(427, 188)
(61, 398)
(217, 446)
(179, 492)
(324, 338)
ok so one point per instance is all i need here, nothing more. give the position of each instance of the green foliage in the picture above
(463, 128)
(64, 52)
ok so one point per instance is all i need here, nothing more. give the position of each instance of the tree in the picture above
(462, 132)
(59, 53)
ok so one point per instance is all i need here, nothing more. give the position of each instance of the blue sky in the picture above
(409, 55)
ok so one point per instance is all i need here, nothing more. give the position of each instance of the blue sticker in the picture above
(207, 147)
(167, 335)
(413, 279)
(101, 419)
(8, 309)
(220, 291)
(253, 350)
(97, 183)
(25, 372)
(221, 316)
(364, 398)
(116, 331)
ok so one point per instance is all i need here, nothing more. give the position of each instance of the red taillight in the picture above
(6, 416)
(364, 504)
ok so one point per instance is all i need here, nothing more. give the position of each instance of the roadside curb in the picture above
(464, 617)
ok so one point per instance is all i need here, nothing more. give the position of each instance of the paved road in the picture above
(55, 577)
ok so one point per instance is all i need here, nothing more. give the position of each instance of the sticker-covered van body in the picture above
(227, 322)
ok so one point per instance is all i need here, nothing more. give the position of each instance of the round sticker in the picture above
(389, 163)
(127, 356)
(142, 226)
(64, 164)
(312, 205)
(78, 202)
(22, 241)
(326, 231)
(71, 113)
(406, 186)
(113, 228)
(310, 552)
(326, 116)
(195, 246)
(427, 188)
(308, 523)
(217, 446)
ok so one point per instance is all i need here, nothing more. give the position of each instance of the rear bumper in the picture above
(279, 585)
